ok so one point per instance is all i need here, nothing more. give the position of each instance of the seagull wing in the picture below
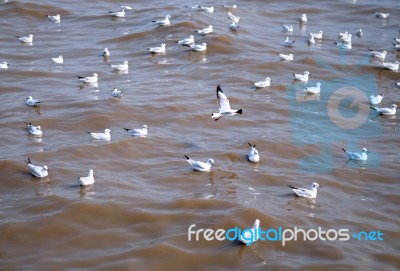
(223, 102)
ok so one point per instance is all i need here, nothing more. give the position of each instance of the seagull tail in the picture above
(374, 108)
(187, 158)
(291, 186)
(240, 111)
(219, 89)
(29, 161)
(126, 129)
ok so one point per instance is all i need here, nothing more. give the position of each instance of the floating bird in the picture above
(376, 99)
(200, 166)
(126, 7)
(34, 130)
(207, 9)
(301, 77)
(287, 28)
(397, 46)
(378, 54)
(27, 39)
(88, 180)
(187, 41)
(386, 111)
(397, 84)
(4, 65)
(37, 171)
(311, 40)
(345, 38)
(360, 33)
(314, 90)
(306, 193)
(205, 31)
(284, 57)
(101, 136)
(288, 42)
(198, 47)
(157, 50)
(343, 46)
(263, 84)
(89, 79)
(391, 66)
(58, 60)
(224, 106)
(116, 93)
(119, 14)
(32, 102)
(233, 17)
(253, 155)
(163, 22)
(233, 26)
(106, 53)
(381, 15)
(229, 6)
(121, 67)
(138, 132)
(248, 237)
(303, 18)
(54, 18)
(397, 40)
(317, 35)
(360, 156)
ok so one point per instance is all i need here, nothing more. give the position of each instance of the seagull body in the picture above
(88, 180)
(263, 84)
(37, 171)
(376, 99)
(119, 14)
(288, 57)
(58, 60)
(32, 102)
(88, 79)
(287, 28)
(314, 90)
(344, 46)
(288, 42)
(207, 9)
(345, 38)
(360, 33)
(248, 237)
(157, 50)
(116, 93)
(206, 30)
(122, 67)
(381, 15)
(126, 7)
(253, 155)
(34, 130)
(198, 47)
(27, 39)
(233, 26)
(4, 65)
(311, 40)
(200, 166)
(101, 136)
(317, 35)
(163, 22)
(391, 66)
(138, 132)
(386, 111)
(378, 54)
(54, 18)
(301, 77)
(187, 41)
(303, 18)
(224, 106)
(233, 17)
(360, 156)
(306, 193)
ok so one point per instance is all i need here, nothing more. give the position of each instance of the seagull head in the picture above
(107, 131)
(364, 150)
(45, 167)
(315, 185)
(210, 161)
(306, 73)
(29, 98)
(394, 106)
(126, 62)
(95, 75)
(144, 127)
(38, 127)
(163, 45)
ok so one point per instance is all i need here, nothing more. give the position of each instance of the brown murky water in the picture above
(137, 214)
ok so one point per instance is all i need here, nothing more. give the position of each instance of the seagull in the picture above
(127, 7)
(138, 132)
(229, 6)
(233, 17)
(54, 18)
(88, 79)
(303, 18)
(157, 50)
(200, 166)
(301, 77)
(306, 193)
(121, 67)
(288, 42)
(284, 57)
(58, 60)
(345, 38)
(196, 7)
(101, 136)
(378, 54)
(37, 171)
(106, 53)
(187, 41)
(116, 93)
(250, 236)
(88, 180)
(32, 102)
(4, 65)
(34, 130)
(207, 9)
(381, 15)
(376, 99)
(311, 40)
(397, 84)
(253, 155)
(397, 40)
(263, 84)
(287, 28)
(119, 14)
(386, 111)
(163, 22)
(391, 66)
(27, 39)
(360, 156)
(343, 46)
(317, 35)
(198, 47)
(397, 46)
(233, 26)
(314, 90)
(360, 33)
(205, 31)
(224, 106)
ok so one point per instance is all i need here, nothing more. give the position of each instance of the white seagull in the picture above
(163, 22)
(360, 33)
(198, 47)
(88, 180)
(106, 53)
(224, 106)
(376, 99)
(233, 26)
(116, 93)
(302, 77)
(101, 136)
(205, 31)
(54, 18)
(121, 67)
(37, 171)
(253, 155)
(397, 40)
(126, 7)
(248, 237)
(386, 110)
(58, 60)
(263, 84)
(303, 18)
(288, 42)
(306, 193)
(381, 15)
(397, 46)
(157, 50)
(207, 9)
(360, 156)
(27, 39)
(200, 166)
(317, 35)
(345, 38)
(187, 41)
(88, 79)
(138, 132)
(34, 130)
(378, 54)
(119, 14)
(4, 65)
(314, 90)
(233, 17)
(311, 40)
(32, 102)
(391, 66)
(284, 57)
(287, 28)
